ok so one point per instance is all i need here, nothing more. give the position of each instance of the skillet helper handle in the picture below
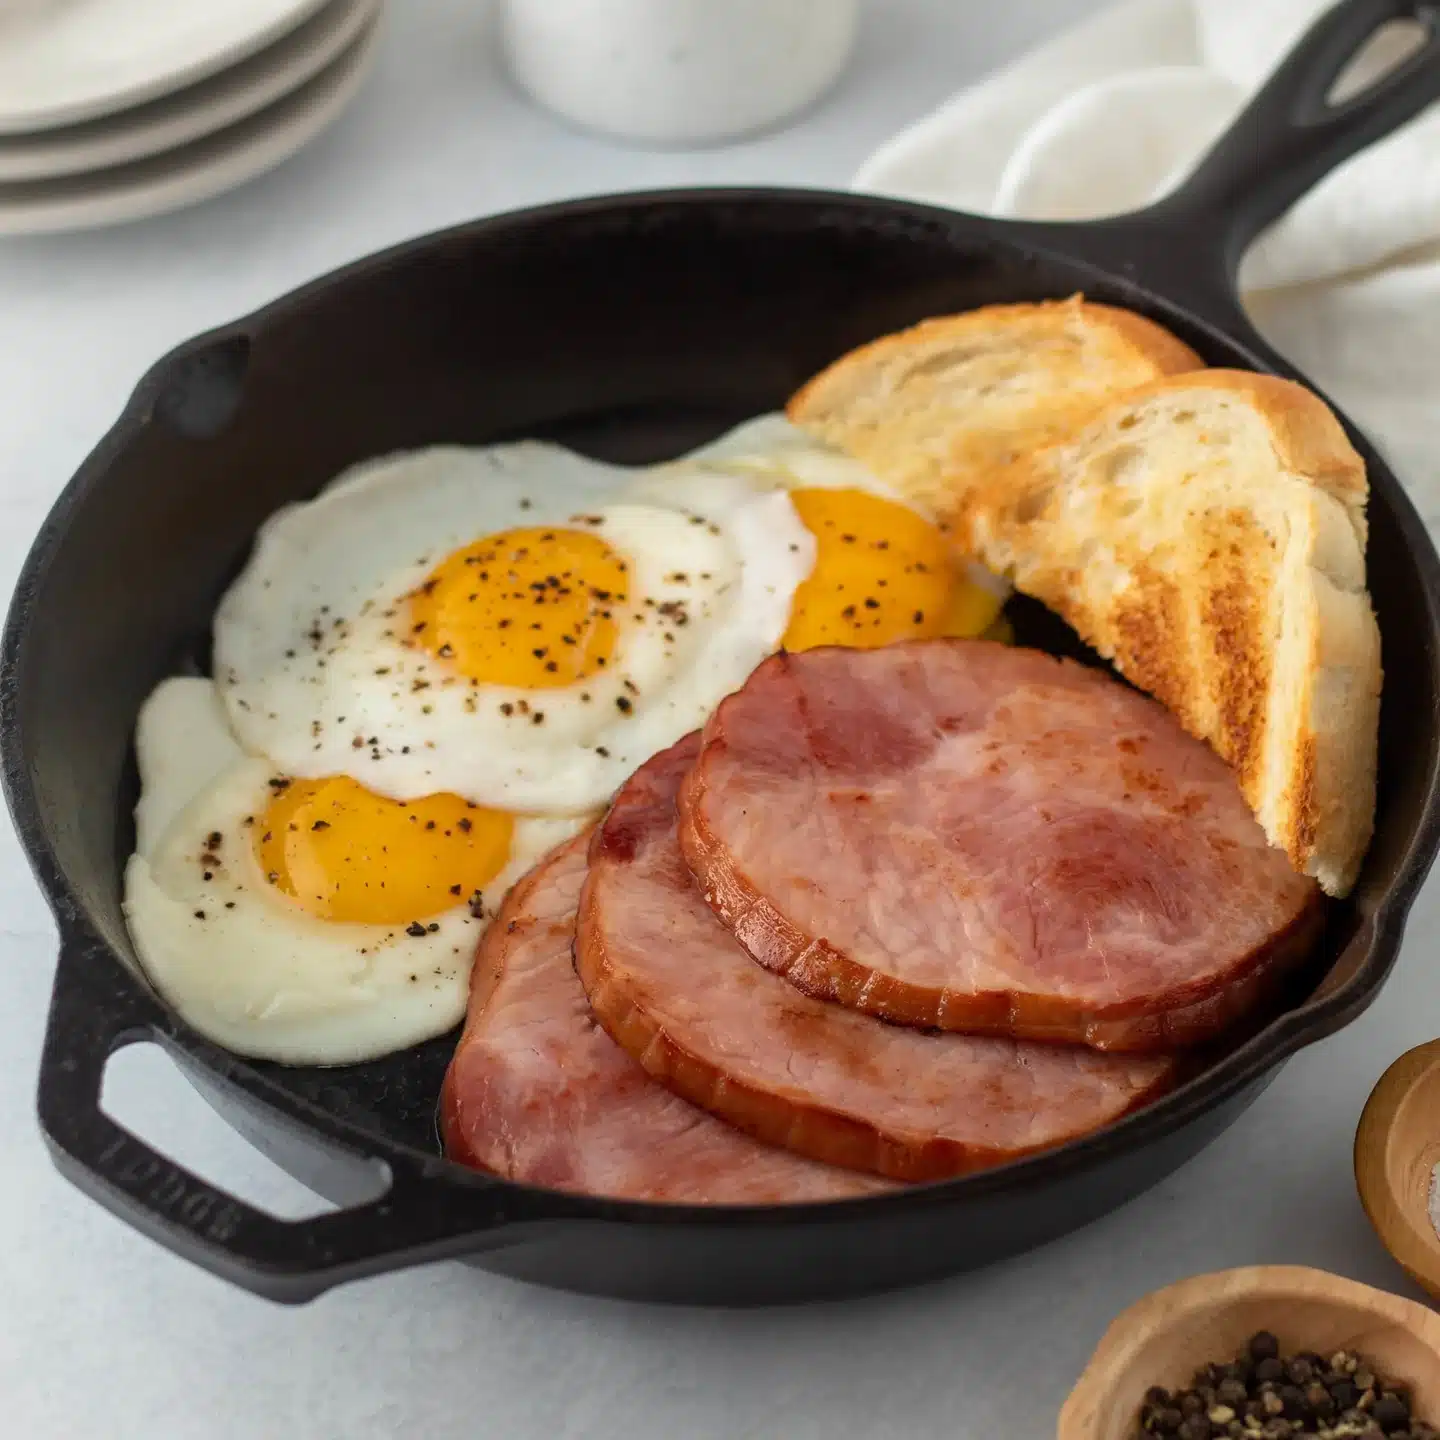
(1291, 136)
(96, 1010)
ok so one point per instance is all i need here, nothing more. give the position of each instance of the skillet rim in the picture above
(1078, 246)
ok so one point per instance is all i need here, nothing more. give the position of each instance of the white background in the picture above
(103, 1334)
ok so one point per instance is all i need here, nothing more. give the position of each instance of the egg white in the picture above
(308, 652)
(759, 456)
(770, 454)
(241, 962)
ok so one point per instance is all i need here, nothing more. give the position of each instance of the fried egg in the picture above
(884, 570)
(307, 921)
(498, 625)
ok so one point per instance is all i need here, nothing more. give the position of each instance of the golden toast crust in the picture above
(963, 394)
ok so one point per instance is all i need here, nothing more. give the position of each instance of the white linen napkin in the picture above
(1112, 114)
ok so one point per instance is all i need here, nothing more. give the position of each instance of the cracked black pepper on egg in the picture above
(1265, 1394)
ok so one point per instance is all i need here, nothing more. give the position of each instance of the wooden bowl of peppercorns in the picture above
(1269, 1351)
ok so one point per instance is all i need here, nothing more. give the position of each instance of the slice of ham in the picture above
(676, 990)
(974, 837)
(537, 1092)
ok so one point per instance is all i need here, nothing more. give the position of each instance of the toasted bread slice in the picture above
(1206, 533)
(935, 407)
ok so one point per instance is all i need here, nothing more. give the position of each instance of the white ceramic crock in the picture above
(677, 72)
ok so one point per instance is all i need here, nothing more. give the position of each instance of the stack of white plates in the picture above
(115, 109)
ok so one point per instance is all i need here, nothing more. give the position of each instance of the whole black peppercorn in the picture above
(1233, 1393)
(1195, 1427)
(1299, 1371)
(1390, 1412)
(1191, 1404)
(1320, 1400)
(1165, 1420)
(1263, 1346)
(1344, 1394)
(1268, 1371)
(1293, 1399)
(1158, 1396)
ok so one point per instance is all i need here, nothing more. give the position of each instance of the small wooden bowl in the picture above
(1167, 1336)
(1397, 1147)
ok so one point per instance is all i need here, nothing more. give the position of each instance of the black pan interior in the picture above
(630, 333)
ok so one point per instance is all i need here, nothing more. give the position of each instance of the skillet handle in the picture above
(420, 1215)
(1290, 136)
(1188, 246)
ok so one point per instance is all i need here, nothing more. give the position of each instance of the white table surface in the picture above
(104, 1334)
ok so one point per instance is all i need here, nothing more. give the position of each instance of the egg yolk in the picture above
(530, 608)
(345, 854)
(882, 574)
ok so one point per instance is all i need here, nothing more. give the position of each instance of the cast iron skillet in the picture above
(633, 328)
